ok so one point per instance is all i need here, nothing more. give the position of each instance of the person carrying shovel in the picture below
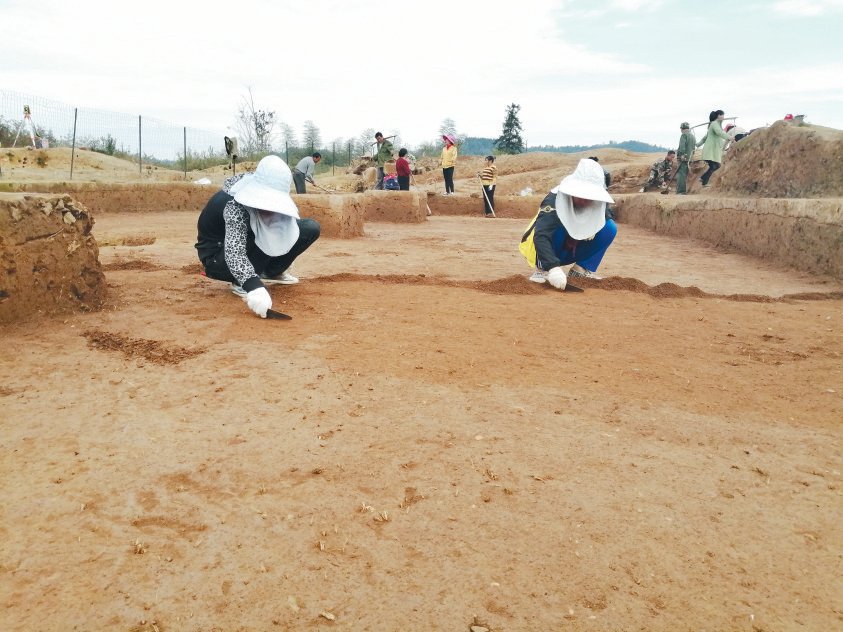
(305, 170)
(250, 233)
(488, 180)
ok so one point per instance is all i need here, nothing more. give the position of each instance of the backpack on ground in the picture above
(390, 182)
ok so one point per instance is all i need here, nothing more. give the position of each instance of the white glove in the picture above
(259, 301)
(556, 277)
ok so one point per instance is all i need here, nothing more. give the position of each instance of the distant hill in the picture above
(474, 146)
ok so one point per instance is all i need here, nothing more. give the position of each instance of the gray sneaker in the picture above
(539, 276)
(285, 278)
(238, 291)
(578, 271)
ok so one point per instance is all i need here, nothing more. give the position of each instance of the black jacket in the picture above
(224, 225)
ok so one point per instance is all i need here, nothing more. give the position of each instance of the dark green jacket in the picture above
(687, 142)
(384, 153)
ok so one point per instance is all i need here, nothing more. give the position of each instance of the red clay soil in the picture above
(431, 443)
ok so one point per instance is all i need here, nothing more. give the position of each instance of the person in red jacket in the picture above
(402, 168)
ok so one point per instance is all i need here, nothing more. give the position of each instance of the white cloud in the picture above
(636, 5)
(807, 7)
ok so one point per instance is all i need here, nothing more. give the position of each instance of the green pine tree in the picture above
(510, 141)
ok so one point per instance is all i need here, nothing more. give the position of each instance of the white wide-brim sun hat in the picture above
(268, 188)
(587, 182)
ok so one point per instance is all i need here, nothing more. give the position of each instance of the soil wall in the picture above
(341, 216)
(505, 205)
(807, 233)
(393, 206)
(48, 258)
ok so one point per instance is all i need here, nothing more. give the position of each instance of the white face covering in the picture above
(275, 233)
(581, 223)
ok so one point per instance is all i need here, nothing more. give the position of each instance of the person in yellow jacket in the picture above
(448, 161)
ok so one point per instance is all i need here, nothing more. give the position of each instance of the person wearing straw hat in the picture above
(571, 227)
(250, 233)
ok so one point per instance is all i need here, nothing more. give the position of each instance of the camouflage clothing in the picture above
(660, 173)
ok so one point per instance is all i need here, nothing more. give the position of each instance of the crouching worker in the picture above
(571, 227)
(250, 233)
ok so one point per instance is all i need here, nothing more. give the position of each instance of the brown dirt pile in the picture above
(48, 257)
(131, 264)
(784, 160)
(154, 351)
(131, 240)
(517, 284)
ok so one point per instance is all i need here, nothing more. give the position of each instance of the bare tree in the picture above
(448, 126)
(363, 147)
(254, 126)
(311, 137)
(288, 134)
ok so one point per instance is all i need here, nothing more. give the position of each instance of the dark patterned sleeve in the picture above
(226, 186)
(236, 233)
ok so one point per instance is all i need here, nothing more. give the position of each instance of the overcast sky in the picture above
(583, 72)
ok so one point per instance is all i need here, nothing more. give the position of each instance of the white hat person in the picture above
(268, 189)
(587, 182)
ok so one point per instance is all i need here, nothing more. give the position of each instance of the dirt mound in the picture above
(517, 284)
(49, 261)
(785, 160)
(154, 351)
(514, 284)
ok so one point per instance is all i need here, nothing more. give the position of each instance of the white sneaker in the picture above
(539, 276)
(238, 291)
(578, 271)
(285, 278)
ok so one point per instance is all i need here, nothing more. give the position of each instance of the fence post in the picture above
(185, 153)
(334, 160)
(73, 144)
(287, 151)
(140, 151)
(349, 153)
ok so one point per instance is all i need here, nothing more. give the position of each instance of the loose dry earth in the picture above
(431, 443)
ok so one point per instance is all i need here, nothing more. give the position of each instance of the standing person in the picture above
(660, 173)
(250, 232)
(713, 142)
(383, 156)
(488, 179)
(571, 227)
(305, 170)
(448, 162)
(402, 168)
(684, 152)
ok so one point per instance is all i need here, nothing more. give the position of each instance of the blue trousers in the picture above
(588, 254)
